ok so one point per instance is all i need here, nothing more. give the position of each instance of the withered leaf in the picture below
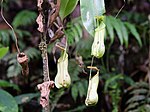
(45, 90)
(23, 61)
(39, 3)
(39, 21)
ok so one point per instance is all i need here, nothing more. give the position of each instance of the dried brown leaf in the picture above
(23, 61)
(45, 90)
(39, 3)
(39, 21)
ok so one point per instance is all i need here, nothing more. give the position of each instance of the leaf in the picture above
(110, 29)
(4, 37)
(73, 31)
(4, 83)
(117, 28)
(81, 89)
(132, 105)
(74, 69)
(139, 91)
(134, 32)
(90, 9)
(128, 80)
(74, 91)
(141, 85)
(84, 47)
(32, 53)
(24, 98)
(79, 29)
(24, 18)
(13, 70)
(3, 51)
(124, 33)
(136, 98)
(7, 102)
(22, 33)
(111, 80)
(66, 7)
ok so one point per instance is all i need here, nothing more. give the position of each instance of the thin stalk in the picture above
(43, 48)
(91, 68)
(120, 9)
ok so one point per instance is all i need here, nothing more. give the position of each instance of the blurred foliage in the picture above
(3, 51)
(73, 31)
(123, 29)
(24, 18)
(139, 98)
(7, 102)
(130, 30)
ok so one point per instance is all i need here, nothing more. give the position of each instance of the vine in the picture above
(22, 58)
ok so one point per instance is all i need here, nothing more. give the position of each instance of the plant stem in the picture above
(43, 48)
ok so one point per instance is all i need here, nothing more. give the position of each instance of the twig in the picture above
(16, 40)
(120, 9)
(43, 48)
(91, 68)
(45, 86)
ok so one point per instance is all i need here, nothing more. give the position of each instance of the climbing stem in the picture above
(15, 36)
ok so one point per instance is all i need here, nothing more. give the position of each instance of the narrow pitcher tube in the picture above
(62, 78)
(98, 47)
(92, 96)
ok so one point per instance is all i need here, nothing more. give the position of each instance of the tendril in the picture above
(120, 9)
(16, 40)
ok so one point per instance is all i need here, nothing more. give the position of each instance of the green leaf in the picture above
(136, 98)
(134, 32)
(132, 105)
(81, 89)
(84, 47)
(112, 80)
(66, 7)
(124, 33)
(90, 9)
(141, 85)
(110, 29)
(32, 53)
(139, 91)
(74, 91)
(4, 83)
(3, 51)
(24, 18)
(117, 28)
(73, 31)
(24, 98)
(13, 70)
(7, 102)
(128, 80)
(4, 37)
